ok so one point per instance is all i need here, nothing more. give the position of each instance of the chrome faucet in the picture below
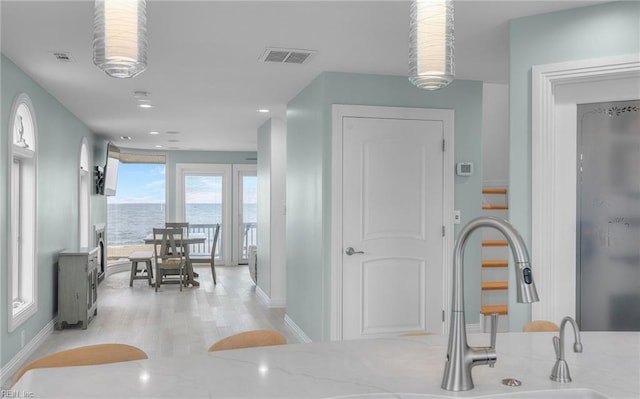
(560, 372)
(460, 356)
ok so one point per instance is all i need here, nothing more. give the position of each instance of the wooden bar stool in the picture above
(135, 258)
(85, 356)
(249, 339)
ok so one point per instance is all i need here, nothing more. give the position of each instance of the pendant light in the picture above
(431, 58)
(120, 37)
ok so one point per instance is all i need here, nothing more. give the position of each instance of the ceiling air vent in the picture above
(286, 56)
(62, 56)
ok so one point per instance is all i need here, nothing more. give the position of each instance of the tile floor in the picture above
(170, 322)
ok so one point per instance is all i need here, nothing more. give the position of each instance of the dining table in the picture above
(185, 242)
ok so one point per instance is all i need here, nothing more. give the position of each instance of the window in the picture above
(138, 206)
(23, 210)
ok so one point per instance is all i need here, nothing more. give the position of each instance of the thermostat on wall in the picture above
(464, 168)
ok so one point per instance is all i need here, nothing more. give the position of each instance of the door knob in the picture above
(350, 251)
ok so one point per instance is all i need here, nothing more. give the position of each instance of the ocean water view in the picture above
(130, 223)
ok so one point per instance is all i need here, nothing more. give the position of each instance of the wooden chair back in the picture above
(179, 225)
(170, 246)
(169, 254)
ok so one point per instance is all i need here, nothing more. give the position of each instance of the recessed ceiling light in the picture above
(158, 146)
(145, 105)
(125, 137)
(154, 132)
(263, 111)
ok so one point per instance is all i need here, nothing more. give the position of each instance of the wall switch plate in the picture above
(456, 217)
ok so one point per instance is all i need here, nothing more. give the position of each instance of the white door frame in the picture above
(343, 111)
(239, 170)
(553, 168)
(85, 180)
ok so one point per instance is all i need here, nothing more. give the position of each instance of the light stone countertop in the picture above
(405, 367)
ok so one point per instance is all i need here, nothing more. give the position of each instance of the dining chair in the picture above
(216, 233)
(178, 225)
(249, 339)
(169, 255)
(540, 326)
(84, 356)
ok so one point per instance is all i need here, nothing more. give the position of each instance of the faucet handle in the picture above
(494, 329)
(556, 345)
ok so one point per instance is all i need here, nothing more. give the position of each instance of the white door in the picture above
(392, 217)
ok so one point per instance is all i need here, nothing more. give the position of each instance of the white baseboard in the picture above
(262, 296)
(304, 338)
(270, 302)
(23, 355)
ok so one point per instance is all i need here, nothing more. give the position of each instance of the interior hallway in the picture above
(170, 322)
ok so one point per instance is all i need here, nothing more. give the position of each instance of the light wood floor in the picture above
(170, 322)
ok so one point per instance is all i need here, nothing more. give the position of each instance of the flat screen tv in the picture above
(111, 170)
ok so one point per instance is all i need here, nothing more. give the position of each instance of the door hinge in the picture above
(442, 314)
(443, 231)
(443, 146)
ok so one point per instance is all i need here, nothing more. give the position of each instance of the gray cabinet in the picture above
(77, 287)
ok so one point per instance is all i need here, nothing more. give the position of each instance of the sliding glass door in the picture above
(208, 194)
(203, 205)
(203, 200)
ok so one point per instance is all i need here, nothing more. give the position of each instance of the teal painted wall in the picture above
(307, 268)
(58, 144)
(590, 32)
(264, 208)
(309, 180)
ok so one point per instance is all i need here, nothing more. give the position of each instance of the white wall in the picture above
(278, 212)
(271, 265)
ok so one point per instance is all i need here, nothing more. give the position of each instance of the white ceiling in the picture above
(203, 75)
